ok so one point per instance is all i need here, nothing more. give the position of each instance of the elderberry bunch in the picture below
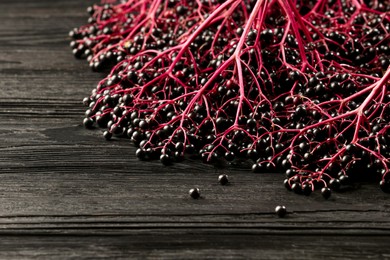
(296, 87)
(114, 32)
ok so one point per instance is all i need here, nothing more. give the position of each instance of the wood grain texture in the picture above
(67, 193)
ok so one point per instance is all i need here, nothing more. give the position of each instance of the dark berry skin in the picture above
(385, 186)
(90, 10)
(287, 184)
(194, 193)
(290, 173)
(297, 188)
(107, 135)
(86, 101)
(88, 122)
(335, 184)
(306, 189)
(326, 192)
(257, 168)
(344, 180)
(140, 153)
(281, 211)
(229, 156)
(223, 179)
(165, 159)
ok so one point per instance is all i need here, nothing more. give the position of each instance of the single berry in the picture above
(88, 122)
(286, 184)
(223, 179)
(194, 193)
(344, 180)
(385, 186)
(297, 188)
(281, 211)
(334, 184)
(86, 101)
(307, 189)
(326, 192)
(165, 159)
(107, 135)
(140, 153)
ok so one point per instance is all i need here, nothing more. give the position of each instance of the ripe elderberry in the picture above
(326, 192)
(194, 193)
(281, 211)
(223, 179)
(107, 135)
(88, 122)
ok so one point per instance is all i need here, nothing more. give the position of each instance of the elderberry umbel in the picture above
(300, 87)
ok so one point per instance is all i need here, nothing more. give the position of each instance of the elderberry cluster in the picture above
(301, 89)
(116, 31)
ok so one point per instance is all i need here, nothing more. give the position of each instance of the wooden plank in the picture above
(206, 245)
(67, 193)
(35, 58)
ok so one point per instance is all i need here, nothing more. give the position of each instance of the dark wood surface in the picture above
(65, 192)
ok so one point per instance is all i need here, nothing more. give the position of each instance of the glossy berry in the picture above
(107, 135)
(307, 189)
(90, 10)
(140, 153)
(223, 179)
(385, 186)
(281, 211)
(258, 168)
(287, 184)
(88, 122)
(165, 159)
(297, 188)
(86, 101)
(326, 192)
(335, 184)
(229, 156)
(194, 193)
(344, 180)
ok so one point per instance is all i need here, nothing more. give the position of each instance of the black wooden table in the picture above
(65, 192)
